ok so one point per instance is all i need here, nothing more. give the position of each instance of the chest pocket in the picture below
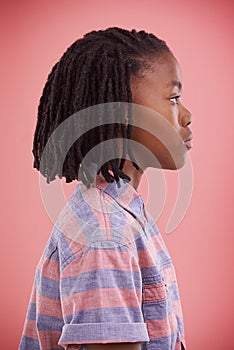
(156, 309)
(154, 292)
(155, 300)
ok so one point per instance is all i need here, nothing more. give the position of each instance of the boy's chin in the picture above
(175, 166)
(169, 165)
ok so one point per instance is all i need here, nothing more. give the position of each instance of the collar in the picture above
(125, 195)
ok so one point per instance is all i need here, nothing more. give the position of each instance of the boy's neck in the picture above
(133, 173)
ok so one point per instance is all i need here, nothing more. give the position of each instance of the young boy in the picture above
(105, 279)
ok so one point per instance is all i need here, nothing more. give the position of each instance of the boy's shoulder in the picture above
(104, 216)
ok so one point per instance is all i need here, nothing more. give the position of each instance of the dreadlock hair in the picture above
(95, 69)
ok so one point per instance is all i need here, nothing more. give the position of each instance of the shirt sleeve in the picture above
(44, 319)
(101, 297)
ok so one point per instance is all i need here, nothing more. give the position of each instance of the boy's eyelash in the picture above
(176, 98)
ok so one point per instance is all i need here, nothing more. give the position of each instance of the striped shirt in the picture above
(105, 276)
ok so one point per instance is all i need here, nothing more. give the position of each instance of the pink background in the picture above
(35, 34)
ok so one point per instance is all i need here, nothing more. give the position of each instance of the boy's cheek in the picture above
(153, 152)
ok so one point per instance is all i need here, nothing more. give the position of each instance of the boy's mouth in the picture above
(188, 142)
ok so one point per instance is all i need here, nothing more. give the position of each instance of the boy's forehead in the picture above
(162, 74)
(173, 83)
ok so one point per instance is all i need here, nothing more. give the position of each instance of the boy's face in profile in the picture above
(159, 89)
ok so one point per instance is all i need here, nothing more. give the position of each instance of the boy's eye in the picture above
(175, 99)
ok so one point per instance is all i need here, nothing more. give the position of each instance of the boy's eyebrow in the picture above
(175, 83)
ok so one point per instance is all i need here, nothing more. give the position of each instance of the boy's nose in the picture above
(186, 116)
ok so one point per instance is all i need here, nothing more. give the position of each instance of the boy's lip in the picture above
(188, 141)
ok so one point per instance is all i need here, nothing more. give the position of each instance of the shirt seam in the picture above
(64, 257)
(79, 257)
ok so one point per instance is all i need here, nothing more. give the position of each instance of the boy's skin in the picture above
(158, 89)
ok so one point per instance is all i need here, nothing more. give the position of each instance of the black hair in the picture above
(95, 69)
